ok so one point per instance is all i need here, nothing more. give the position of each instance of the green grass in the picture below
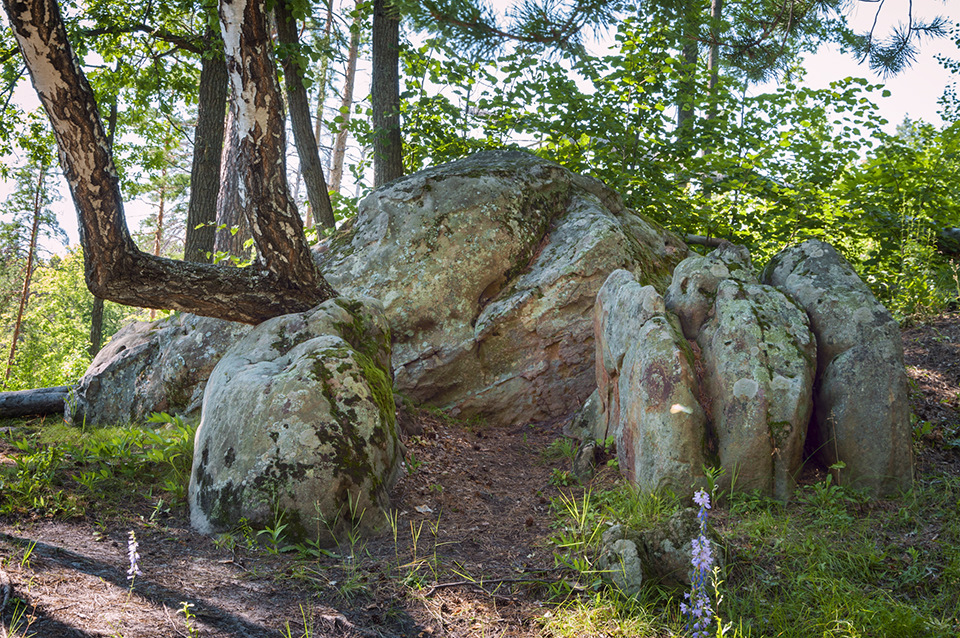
(60, 470)
(831, 563)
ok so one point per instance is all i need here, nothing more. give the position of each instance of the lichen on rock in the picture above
(300, 428)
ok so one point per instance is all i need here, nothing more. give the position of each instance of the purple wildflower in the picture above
(132, 546)
(699, 611)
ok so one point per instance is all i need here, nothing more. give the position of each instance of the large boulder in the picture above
(298, 426)
(488, 269)
(759, 358)
(648, 387)
(158, 366)
(862, 414)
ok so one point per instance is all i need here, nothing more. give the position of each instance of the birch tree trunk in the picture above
(346, 106)
(115, 269)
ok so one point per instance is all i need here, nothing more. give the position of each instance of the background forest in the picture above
(695, 112)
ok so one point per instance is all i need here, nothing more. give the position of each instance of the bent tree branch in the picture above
(115, 269)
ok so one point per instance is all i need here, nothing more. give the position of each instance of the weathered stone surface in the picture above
(585, 460)
(620, 565)
(663, 550)
(694, 285)
(299, 420)
(647, 386)
(759, 359)
(588, 423)
(861, 402)
(159, 366)
(488, 269)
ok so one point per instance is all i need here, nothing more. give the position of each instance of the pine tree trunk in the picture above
(385, 95)
(299, 104)
(25, 291)
(713, 58)
(346, 105)
(207, 148)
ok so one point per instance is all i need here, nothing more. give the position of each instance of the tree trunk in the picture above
(385, 95)
(322, 98)
(207, 148)
(28, 402)
(233, 229)
(713, 58)
(25, 291)
(346, 106)
(115, 268)
(96, 326)
(158, 234)
(96, 312)
(303, 136)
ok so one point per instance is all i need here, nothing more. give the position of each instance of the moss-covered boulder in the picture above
(488, 269)
(862, 410)
(759, 359)
(156, 366)
(299, 426)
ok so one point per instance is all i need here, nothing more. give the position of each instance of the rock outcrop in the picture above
(647, 386)
(759, 357)
(488, 269)
(299, 426)
(159, 366)
(763, 361)
(862, 414)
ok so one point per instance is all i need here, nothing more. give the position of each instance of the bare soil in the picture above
(472, 554)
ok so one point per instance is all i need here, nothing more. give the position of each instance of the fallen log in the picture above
(29, 402)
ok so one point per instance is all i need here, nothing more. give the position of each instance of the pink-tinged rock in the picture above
(488, 269)
(647, 386)
(693, 287)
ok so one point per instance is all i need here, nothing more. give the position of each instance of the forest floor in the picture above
(472, 552)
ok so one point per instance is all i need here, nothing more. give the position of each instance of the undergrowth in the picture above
(61, 470)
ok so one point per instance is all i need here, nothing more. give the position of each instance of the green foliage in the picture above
(62, 470)
(55, 339)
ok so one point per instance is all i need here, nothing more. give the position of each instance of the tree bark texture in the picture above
(96, 326)
(231, 212)
(713, 57)
(385, 95)
(346, 106)
(25, 291)
(207, 147)
(29, 402)
(115, 268)
(303, 136)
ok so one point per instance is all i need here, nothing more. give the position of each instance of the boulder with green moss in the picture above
(861, 424)
(156, 366)
(759, 358)
(488, 269)
(298, 427)
(695, 280)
